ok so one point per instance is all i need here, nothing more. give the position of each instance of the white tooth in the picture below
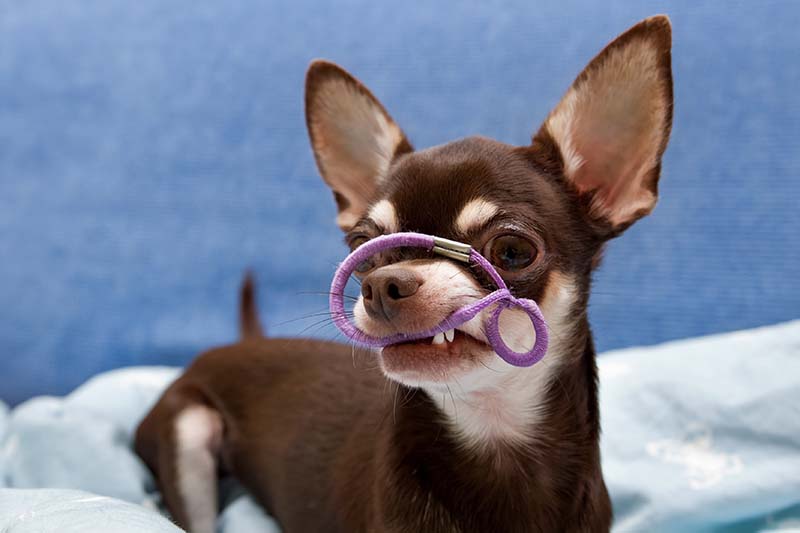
(438, 339)
(450, 335)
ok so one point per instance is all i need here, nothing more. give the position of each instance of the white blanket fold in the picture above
(698, 435)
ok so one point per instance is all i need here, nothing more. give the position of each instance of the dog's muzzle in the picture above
(501, 298)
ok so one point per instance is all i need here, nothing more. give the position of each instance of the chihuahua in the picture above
(438, 434)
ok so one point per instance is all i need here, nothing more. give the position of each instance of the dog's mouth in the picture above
(433, 356)
(447, 340)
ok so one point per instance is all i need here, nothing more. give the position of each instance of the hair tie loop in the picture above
(501, 298)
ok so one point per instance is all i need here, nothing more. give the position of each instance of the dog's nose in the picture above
(385, 289)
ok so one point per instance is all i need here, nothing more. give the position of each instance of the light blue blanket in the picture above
(698, 435)
(73, 511)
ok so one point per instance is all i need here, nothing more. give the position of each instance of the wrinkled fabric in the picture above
(72, 511)
(83, 441)
(701, 435)
(704, 435)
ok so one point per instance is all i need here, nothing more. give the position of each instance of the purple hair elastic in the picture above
(502, 298)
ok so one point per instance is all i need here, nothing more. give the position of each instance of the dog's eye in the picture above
(511, 253)
(367, 265)
(357, 241)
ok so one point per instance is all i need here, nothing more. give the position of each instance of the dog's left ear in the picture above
(354, 138)
(611, 128)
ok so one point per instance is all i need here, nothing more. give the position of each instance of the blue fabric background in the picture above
(150, 151)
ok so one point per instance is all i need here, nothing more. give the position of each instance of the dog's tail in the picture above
(249, 323)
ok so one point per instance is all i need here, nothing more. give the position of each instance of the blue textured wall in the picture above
(151, 150)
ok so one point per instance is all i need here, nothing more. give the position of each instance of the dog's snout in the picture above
(385, 289)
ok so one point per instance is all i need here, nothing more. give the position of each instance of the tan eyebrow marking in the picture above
(384, 215)
(476, 213)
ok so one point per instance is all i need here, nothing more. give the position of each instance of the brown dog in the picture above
(438, 435)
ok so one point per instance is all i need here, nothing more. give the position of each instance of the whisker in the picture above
(328, 293)
(317, 326)
(452, 399)
(408, 396)
(489, 368)
(394, 404)
(311, 316)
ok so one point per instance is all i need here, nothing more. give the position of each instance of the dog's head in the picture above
(540, 213)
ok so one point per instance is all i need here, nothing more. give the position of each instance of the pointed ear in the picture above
(612, 126)
(353, 137)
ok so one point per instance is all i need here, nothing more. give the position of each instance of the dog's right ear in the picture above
(353, 137)
(611, 128)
